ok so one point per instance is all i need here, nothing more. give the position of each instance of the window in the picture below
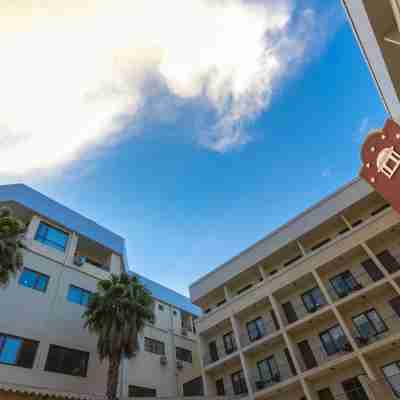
(193, 387)
(51, 236)
(67, 361)
(17, 351)
(354, 390)
(244, 289)
(268, 371)
(369, 324)
(344, 284)
(395, 304)
(333, 340)
(140, 391)
(229, 343)
(154, 346)
(239, 383)
(392, 375)
(289, 311)
(161, 307)
(34, 280)
(219, 384)
(78, 295)
(313, 299)
(174, 313)
(183, 354)
(372, 270)
(256, 329)
(388, 261)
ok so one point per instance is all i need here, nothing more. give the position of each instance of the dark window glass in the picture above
(219, 384)
(344, 284)
(333, 340)
(325, 394)
(154, 346)
(183, 354)
(369, 324)
(78, 295)
(313, 299)
(34, 280)
(229, 343)
(289, 311)
(213, 351)
(392, 375)
(388, 261)
(51, 236)
(307, 354)
(290, 362)
(67, 361)
(354, 390)
(395, 304)
(140, 391)
(372, 270)
(239, 383)
(268, 370)
(256, 329)
(193, 387)
(17, 351)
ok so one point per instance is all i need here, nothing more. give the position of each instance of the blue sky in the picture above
(185, 208)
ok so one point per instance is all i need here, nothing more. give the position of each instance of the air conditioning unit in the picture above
(79, 260)
(163, 360)
(179, 364)
(184, 331)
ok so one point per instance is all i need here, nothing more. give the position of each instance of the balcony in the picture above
(91, 255)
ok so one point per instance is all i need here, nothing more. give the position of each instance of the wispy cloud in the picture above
(74, 74)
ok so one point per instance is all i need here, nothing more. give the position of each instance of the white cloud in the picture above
(73, 73)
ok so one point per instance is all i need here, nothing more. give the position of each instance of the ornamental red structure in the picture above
(380, 155)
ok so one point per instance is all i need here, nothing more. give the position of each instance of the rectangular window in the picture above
(183, 354)
(34, 280)
(256, 329)
(333, 340)
(140, 391)
(239, 383)
(51, 236)
(313, 299)
(78, 295)
(17, 351)
(67, 361)
(289, 311)
(372, 270)
(344, 284)
(369, 324)
(229, 343)
(392, 375)
(219, 384)
(213, 351)
(268, 371)
(154, 346)
(354, 390)
(388, 261)
(307, 354)
(193, 387)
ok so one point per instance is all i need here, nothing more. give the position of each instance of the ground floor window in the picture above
(67, 361)
(141, 391)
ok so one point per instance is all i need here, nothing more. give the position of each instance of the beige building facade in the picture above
(44, 347)
(312, 311)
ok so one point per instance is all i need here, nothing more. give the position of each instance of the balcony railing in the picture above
(260, 383)
(220, 353)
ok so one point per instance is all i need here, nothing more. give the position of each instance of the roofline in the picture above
(277, 231)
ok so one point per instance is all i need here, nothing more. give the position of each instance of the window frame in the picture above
(260, 333)
(371, 323)
(35, 285)
(332, 340)
(182, 350)
(50, 243)
(230, 347)
(271, 363)
(83, 291)
(22, 341)
(394, 391)
(59, 371)
(149, 344)
(240, 383)
(345, 277)
(309, 294)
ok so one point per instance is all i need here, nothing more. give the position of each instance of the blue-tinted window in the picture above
(34, 280)
(78, 295)
(17, 351)
(51, 236)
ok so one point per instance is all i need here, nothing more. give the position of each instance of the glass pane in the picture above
(308, 301)
(391, 370)
(318, 297)
(339, 286)
(364, 327)
(328, 344)
(260, 326)
(27, 278)
(265, 373)
(376, 321)
(350, 281)
(57, 237)
(41, 283)
(74, 295)
(9, 352)
(338, 337)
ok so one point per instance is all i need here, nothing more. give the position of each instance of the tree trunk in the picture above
(113, 375)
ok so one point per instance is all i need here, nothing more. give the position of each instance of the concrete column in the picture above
(375, 259)
(32, 228)
(290, 346)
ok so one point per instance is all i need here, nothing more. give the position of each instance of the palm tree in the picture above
(117, 313)
(11, 259)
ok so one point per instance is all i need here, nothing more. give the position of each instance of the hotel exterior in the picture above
(312, 311)
(43, 345)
